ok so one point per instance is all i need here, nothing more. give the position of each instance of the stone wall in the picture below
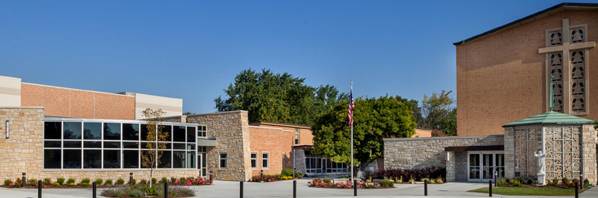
(509, 152)
(407, 153)
(589, 153)
(231, 131)
(300, 160)
(23, 152)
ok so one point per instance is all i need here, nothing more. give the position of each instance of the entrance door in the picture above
(482, 165)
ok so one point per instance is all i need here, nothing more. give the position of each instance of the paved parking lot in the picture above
(284, 189)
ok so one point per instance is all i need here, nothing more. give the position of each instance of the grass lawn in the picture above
(528, 191)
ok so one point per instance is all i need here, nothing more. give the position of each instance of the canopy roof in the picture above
(550, 117)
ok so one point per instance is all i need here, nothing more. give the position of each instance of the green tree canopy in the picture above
(439, 112)
(277, 97)
(374, 119)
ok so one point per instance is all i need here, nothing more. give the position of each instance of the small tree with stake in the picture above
(156, 138)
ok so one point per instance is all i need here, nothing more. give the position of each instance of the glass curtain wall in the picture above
(114, 144)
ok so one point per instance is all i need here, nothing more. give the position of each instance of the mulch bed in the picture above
(352, 188)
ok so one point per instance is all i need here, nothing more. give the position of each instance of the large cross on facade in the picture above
(566, 59)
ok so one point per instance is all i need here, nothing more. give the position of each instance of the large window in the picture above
(94, 144)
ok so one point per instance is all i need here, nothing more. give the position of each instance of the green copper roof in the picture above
(550, 117)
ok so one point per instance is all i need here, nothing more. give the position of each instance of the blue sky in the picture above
(193, 49)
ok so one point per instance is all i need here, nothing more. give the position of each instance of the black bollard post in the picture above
(39, 188)
(23, 181)
(581, 181)
(165, 189)
(241, 193)
(131, 179)
(490, 188)
(355, 187)
(576, 190)
(94, 190)
(262, 175)
(425, 187)
(294, 188)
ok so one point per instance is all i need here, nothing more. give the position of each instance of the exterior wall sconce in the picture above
(7, 128)
(448, 156)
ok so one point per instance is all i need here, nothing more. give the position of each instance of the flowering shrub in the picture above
(267, 178)
(190, 181)
(347, 184)
(16, 184)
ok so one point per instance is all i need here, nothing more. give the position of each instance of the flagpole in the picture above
(352, 113)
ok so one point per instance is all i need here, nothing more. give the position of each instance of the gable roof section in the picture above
(550, 117)
(553, 9)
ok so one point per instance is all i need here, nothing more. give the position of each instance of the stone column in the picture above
(450, 166)
(509, 153)
(589, 153)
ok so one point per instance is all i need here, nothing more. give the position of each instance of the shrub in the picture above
(432, 181)
(439, 180)
(143, 182)
(516, 183)
(7, 182)
(120, 181)
(327, 180)
(387, 184)
(46, 181)
(70, 180)
(99, 181)
(586, 182)
(55, 184)
(287, 172)
(298, 174)
(164, 180)
(108, 182)
(133, 181)
(85, 181)
(183, 180)
(32, 182)
(416, 174)
(530, 181)
(172, 179)
(154, 180)
(60, 180)
(566, 181)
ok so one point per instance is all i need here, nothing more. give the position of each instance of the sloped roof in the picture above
(556, 8)
(550, 117)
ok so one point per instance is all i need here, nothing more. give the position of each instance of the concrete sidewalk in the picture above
(285, 189)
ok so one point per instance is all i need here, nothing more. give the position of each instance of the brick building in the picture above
(506, 80)
(63, 132)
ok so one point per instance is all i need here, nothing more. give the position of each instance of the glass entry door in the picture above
(482, 165)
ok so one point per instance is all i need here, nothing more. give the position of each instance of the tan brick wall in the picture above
(276, 142)
(306, 137)
(501, 77)
(66, 102)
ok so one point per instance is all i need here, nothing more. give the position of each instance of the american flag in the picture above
(351, 106)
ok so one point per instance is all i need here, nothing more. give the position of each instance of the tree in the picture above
(374, 119)
(151, 157)
(439, 112)
(276, 97)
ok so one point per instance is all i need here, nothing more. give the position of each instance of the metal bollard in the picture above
(490, 188)
(294, 188)
(131, 179)
(39, 188)
(241, 193)
(581, 181)
(355, 187)
(165, 189)
(262, 175)
(23, 181)
(94, 190)
(576, 190)
(425, 187)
